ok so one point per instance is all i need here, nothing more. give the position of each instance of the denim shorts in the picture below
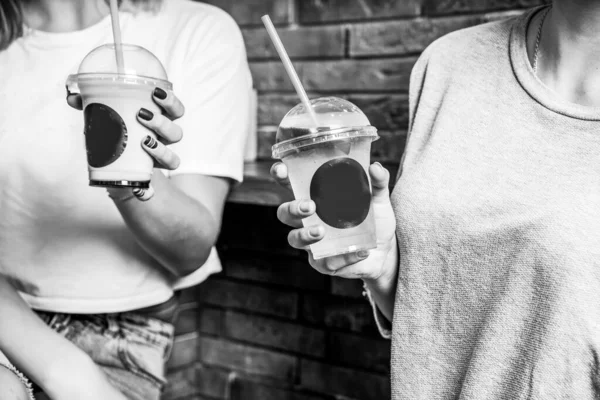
(131, 349)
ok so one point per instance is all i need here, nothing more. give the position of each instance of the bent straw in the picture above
(287, 63)
(116, 27)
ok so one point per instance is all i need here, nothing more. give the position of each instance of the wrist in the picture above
(388, 254)
(70, 377)
(120, 195)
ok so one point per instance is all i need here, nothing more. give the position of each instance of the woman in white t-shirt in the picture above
(103, 269)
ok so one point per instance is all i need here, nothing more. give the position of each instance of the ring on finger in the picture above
(144, 194)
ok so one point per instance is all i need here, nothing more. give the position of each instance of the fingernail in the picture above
(150, 142)
(160, 94)
(378, 164)
(305, 206)
(145, 114)
(315, 231)
(363, 254)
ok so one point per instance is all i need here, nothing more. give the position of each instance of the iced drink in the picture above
(111, 101)
(329, 165)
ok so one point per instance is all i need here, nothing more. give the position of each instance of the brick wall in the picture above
(269, 327)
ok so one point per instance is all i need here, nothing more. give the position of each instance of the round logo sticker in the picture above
(340, 189)
(105, 135)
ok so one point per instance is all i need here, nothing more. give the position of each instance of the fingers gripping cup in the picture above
(329, 165)
(111, 101)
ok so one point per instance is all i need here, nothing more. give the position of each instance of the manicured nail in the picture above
(150, 142)
(363, 254)
(145, 114)
(305, 206)
(279, 170)
(315, 231)
(160, 94)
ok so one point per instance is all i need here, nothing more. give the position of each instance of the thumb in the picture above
(380, 179)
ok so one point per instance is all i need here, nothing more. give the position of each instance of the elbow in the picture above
(190, 250)
(188, 262)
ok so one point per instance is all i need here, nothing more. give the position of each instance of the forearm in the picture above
(172, 227)
(383, 289)
(60, 368)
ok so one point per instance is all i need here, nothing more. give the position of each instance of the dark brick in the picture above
(385, 75)
(247, 359)
(248, 297)
(265, 139)
(259, 189)
(347, 287)
(333, 380)
(344, 10)
(385, 112)
(213, 382)
(403, 37)
(278, 270)
(211, 320)
(185, 351)
(181, 384)
(275, 333)
(248, 390)
(187, 319)
(303, 42)
(266, 233)
(273, 107)
(339, 312)
(359, 351)
(389, 147)
(188, 295)
(248, 12)
(435, 7)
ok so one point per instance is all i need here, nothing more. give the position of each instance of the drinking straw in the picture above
(116, 27)
(287, 63)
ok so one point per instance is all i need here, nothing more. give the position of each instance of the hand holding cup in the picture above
(362, 264)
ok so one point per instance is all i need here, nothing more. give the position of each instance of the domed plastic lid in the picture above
(337, 119)
(139, 66)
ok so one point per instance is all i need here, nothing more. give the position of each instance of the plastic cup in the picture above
(111, 101)
(329, 165)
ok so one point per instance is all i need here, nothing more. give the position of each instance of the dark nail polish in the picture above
(150, 142)
(160, 94)
(145, 114)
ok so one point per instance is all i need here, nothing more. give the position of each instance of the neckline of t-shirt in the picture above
(62, 39)
(532, 84)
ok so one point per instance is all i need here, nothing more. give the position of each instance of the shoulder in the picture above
(186, 17)
(467, 52)
(476, 43)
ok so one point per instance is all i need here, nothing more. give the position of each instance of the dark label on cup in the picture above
(340, 189)
(105, 135)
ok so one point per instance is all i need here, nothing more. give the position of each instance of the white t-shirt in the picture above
(63, 244)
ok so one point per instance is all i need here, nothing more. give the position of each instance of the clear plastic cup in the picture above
(329, 165)
(111, 101)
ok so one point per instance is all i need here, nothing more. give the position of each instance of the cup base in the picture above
(317, 255)
(121, 184)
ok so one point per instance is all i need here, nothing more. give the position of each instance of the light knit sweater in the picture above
(498, 212)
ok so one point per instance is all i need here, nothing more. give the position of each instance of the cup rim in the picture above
(282, 149)
(76, 79)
